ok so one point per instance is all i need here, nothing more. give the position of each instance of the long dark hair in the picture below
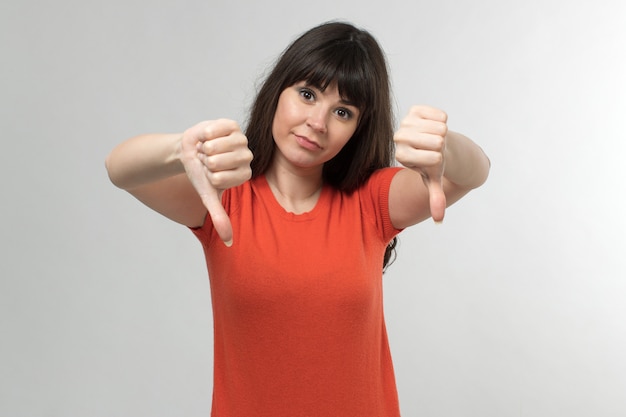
(334, 52)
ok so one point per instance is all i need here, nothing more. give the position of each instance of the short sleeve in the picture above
(374, 197)
(206, 233)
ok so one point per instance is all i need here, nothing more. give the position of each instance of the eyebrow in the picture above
(348, 103)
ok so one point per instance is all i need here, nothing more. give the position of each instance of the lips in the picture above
(307, 143)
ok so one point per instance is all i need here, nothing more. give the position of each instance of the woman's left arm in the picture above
(442, 166)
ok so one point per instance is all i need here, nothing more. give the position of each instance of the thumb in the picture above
(220, 219)
(437, 199)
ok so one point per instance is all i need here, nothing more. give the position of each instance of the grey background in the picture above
(515, 306)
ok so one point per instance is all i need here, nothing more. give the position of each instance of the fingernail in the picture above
(438, 222)
(229, 243)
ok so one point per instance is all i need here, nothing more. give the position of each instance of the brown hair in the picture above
(330, 53)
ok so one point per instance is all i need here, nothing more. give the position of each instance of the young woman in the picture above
(303, 210)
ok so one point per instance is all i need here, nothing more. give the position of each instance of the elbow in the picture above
(109, 165)
(479, 174)
(485, 171)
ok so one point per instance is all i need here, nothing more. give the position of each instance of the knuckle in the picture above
(401, 155)
(208, 147)
(247, 173)
(228, 124)
(400, 136)
(408, 121)
(439, 143)
(211, 163)
(238, 139)
(443, 129)
(217, 180)
(249, 156)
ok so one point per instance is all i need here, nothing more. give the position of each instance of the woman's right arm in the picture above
(150, 168)
(145, 159)
(182, 175)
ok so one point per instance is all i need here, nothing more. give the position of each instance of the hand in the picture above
(216, 157)
(420, 145)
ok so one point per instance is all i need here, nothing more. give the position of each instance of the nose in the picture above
(316, 119)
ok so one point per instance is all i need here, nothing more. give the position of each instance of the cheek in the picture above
(346, 133)
(282, 116)
(279, 120)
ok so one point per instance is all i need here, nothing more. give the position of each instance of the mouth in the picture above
(307, 143)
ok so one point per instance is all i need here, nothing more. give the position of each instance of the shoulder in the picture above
(374, 199)
(383, 176)
(232, 200)
(378, 184)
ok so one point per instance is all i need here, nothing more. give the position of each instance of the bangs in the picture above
(341, 64)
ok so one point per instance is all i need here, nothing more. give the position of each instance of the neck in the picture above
(297, 192)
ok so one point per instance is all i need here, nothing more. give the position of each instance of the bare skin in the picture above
(182, 176)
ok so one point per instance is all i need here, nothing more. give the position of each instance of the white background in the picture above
(515, 306)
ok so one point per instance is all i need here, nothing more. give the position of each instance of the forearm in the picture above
(466, 165)
(144, 159)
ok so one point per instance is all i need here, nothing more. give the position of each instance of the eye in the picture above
(307, 94)
(344, 113)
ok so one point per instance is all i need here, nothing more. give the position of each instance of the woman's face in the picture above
(311, 126)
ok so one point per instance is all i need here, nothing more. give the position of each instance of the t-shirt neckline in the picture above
(269, 197)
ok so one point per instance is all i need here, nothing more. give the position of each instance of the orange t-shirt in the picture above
(297, 300)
